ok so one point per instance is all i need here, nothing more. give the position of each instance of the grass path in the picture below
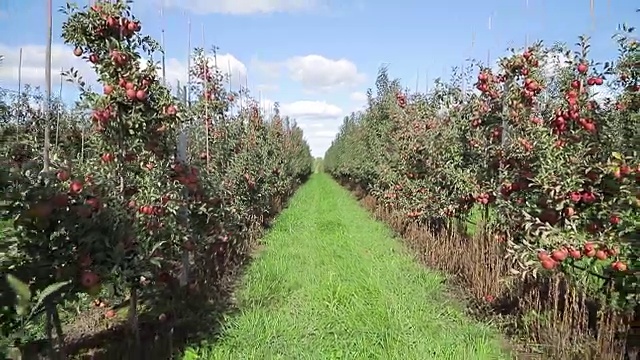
(332, 283)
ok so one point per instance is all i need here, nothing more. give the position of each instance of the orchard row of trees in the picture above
(550, 160)
(145, 199)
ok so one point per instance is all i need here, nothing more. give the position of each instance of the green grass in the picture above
(332, 283)
(476, 218)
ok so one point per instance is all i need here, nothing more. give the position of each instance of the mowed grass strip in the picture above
(332, 283)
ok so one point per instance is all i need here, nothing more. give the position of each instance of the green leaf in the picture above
(14, 353)
(50, 291)
(23, 294)
(21, 289)
(155, 262)
(157, 246)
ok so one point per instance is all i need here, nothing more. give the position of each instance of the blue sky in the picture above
(318, 57)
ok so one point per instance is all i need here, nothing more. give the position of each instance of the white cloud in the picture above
(553, 62)
(324, 134)
(312, 114)
(314, 125)
(319, 120)
(33, 61)
(311, 110)
(550, 64)
(267, 87)
(270, 70)
(358, 97)
(601, 93)
(245, 7)
(315, 72)
(266, 104)
(318, 145)
(227, 63)
(33, 66)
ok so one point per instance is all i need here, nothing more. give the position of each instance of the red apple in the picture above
(62, 175)
(619, 266)
(94, 202)
(575, 254)
(582, 68)
(559, 255)
(89, 279)
(548, 264)
(131, 94)
(75, 186)
(171, 110)
(614, 219)
(141, 95)
(107, 158)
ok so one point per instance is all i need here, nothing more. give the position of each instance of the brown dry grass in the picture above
(546, 318)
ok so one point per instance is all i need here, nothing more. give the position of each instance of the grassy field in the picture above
(331, 283)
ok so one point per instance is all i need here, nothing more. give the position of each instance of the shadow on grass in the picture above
(165, 331)
(172, 320)
(198, 320)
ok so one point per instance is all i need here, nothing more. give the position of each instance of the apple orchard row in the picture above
(128, 213)
(556, 171)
